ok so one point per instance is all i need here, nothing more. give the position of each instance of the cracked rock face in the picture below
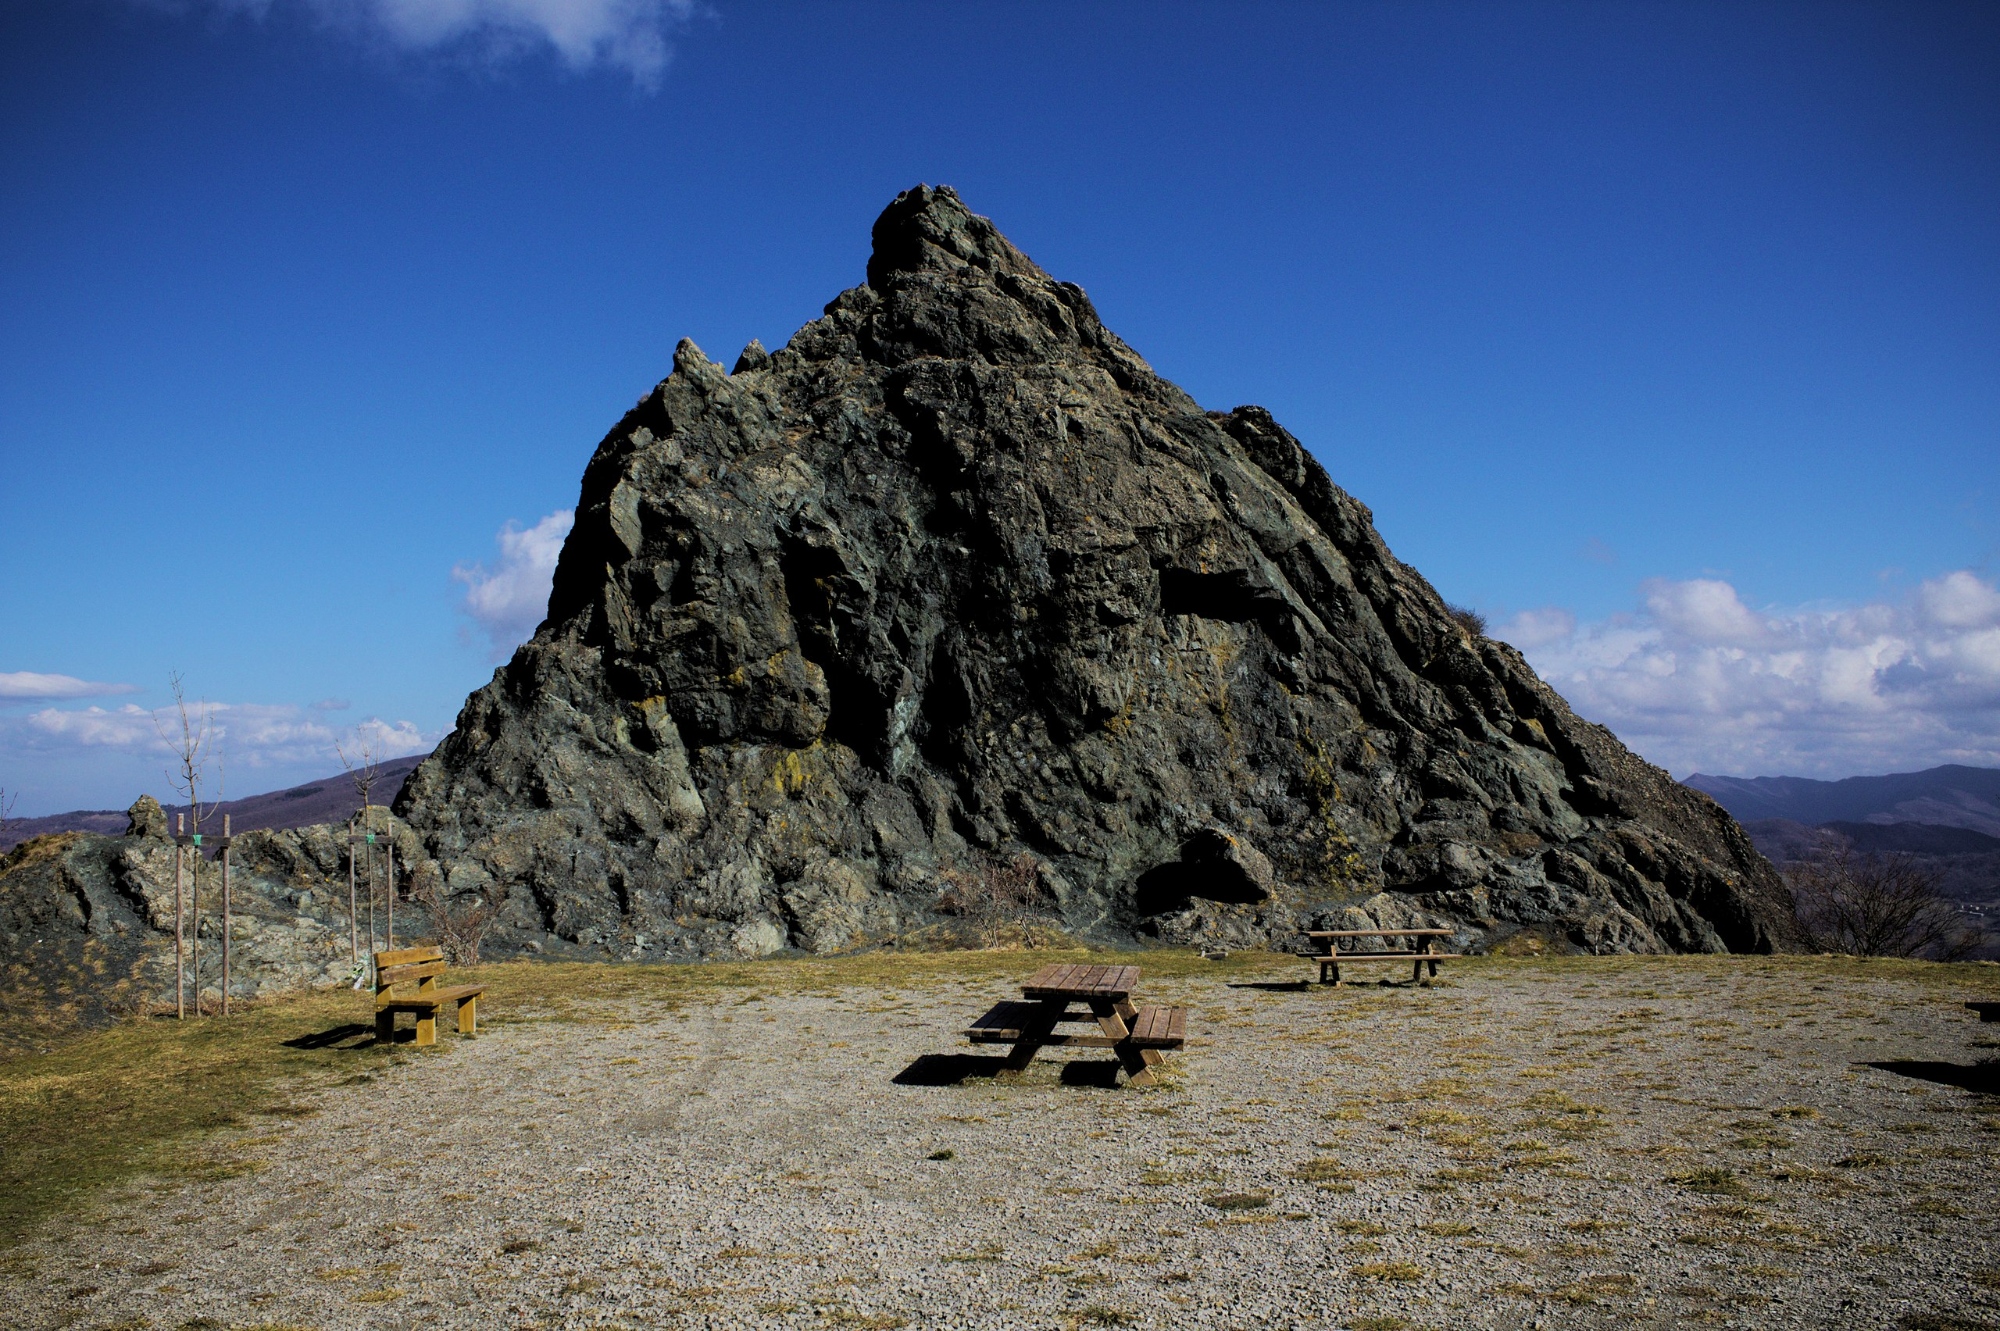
(954, 577)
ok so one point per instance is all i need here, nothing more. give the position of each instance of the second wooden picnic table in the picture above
(1421, 951)
(1138, 1035)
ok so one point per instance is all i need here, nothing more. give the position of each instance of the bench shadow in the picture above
(328, 1039)
(948, 1069)
(1983, 1076)
(1274, 986)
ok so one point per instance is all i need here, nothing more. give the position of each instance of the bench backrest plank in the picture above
(404, 955)
(415, 970)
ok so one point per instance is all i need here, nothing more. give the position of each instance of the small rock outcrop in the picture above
(87, 921)
(146, 818)
(954, 577)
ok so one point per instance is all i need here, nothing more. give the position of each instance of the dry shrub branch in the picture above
(1877, 906)
(460, 925)
(997, 896)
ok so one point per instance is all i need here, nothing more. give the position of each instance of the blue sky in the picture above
(1667, 335)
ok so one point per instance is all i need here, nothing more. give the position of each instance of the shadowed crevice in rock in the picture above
(953, 577)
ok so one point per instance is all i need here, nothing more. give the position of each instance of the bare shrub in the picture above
(7, 801)
(460, 925)
(1877, 906)
(997, 896)
(1470, 620)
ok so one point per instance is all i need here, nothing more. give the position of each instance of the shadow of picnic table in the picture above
(1982, 1077)
(956, 1069)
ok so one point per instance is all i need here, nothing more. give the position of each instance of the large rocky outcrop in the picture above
(954, 577)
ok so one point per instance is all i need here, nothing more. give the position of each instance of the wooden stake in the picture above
(194, 912)
(225, 914)
(389, 858)
(180, 918)
(353, 918)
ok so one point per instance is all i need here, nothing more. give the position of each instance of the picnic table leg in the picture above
(1331, 962)
(1033, 1034)
(1111, 1020)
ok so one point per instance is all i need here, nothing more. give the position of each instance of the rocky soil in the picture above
(1782, 1142)
(954, 578)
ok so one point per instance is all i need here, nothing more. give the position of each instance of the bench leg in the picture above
(1330, 965)
(385, 1027)
(1417, 973)
(1434, 968)
(468, 1016)
(427, 1027)
(1138, 1064)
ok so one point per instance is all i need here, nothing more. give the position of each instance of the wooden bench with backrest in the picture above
(420, 966)
(1418, 953)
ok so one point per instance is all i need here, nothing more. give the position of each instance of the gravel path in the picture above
(1577, 1143)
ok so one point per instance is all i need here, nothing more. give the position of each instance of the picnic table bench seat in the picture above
(1160, 1028)
(421, 966)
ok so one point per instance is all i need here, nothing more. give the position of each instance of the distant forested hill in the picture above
(329, 800)
(1967, 797)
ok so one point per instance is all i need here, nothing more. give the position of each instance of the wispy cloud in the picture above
(509, 600)
(1697, 680)
(244, 734)
(31, 685)
(630, 36)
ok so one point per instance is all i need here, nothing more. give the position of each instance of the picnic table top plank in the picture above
(1077, 981)
(1375, 933)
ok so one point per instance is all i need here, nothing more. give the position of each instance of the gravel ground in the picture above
(1561, 1143)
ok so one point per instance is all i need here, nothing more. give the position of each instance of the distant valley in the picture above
(1945, 818)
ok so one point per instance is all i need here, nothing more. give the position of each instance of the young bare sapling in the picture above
(363, 769)
(190, 745)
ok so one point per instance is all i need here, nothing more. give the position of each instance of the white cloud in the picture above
(510, 600)
(241, 734)
(29, 684)
(1700, 681)
(630, 36)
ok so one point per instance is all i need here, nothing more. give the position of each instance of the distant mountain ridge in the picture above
(1949, 796)
(329, 800)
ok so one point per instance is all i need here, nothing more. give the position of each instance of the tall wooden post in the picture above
(194, 910)
(180, 919)
(353, 916)
(368, 849)
(389, 858)
(225, 914)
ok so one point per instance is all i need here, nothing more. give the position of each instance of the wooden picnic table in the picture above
(1138, 1035)
(1418, 953)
